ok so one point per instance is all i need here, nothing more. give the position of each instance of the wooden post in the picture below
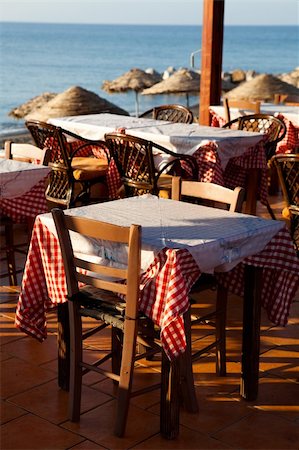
(251, 333)
(211, 57)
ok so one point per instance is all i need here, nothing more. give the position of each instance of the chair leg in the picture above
(126, 376)
(270, 211)
(75, 361)
(170, 399)
(221, 306)
(187, 380)
(10, 254)
(116, 344)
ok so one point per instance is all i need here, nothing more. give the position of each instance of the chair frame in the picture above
(172, 113)
(99, 299)
(135, 162)
(61, 187)
(233, 200)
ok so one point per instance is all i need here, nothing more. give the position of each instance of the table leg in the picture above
(170, 399)
(251, 194)
(63, 343)
(251, 333)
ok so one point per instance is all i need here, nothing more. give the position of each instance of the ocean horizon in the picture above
(41, 57)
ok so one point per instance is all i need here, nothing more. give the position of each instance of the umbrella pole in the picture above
(187, 99)
(136, 104)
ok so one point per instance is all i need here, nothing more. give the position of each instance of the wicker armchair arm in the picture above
(85, 143)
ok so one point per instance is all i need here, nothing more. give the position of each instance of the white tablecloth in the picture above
(216, 239)
(17, 178)
(180, 138)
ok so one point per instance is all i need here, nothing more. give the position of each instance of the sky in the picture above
(172, 12)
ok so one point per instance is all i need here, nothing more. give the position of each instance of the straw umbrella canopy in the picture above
(182, 82)
(72, 102)
(35, 103)
(134, 80)
(262, 87)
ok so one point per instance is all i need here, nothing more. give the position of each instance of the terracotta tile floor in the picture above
(34, 410)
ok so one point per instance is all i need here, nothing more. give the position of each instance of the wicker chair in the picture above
(287, 167)
(273, 127)
(134, 158)
(171, 113)
(72, 176)
(275, 131)
(224, 198)
(246, 105)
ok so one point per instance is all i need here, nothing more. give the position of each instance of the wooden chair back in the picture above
(101, 276)
(246, 105)
(286, 99)
(26, 152)
(218, 196)
(172, 113)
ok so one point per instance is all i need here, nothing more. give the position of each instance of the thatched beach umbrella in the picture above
(134, 80)
(182, 82)
(262, 87)
(291, 77)
(75, 101)
(33, 104)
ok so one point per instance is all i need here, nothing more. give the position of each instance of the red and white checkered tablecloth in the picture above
(236, 171)
(290, 142)
(164, 286)
(26, 206)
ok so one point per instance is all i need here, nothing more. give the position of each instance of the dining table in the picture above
(288, 114)
(22, 189)
(253, 257)
(227, 157)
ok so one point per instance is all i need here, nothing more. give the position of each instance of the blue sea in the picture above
(37, 58)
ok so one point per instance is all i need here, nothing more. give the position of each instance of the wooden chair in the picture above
(287, 167)
(219, 197)
(110, 303)
(285, 99)
(171, 113)
(27, 153)
(134, 158)
(246, 105)
(72, 176)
